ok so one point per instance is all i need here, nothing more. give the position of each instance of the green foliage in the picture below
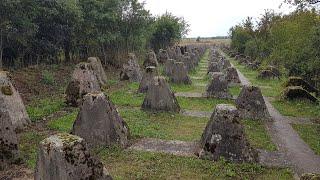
(167, 30)
(40, 109)
(37, 31)
(240, 36)
(47, 78)
(290, 41)
(146, 165)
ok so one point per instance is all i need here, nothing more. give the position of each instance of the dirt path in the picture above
(296, 151)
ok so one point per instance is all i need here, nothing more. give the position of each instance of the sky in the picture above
(208, 18)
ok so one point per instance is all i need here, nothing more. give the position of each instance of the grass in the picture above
(235, 90)
(167, 126)
(297, 108)
(146, 165)
(40, 109)
(127, 96)
(269, 87)
(310, 133)
(258, 136)
(28, 147)
(201, 104)
(64, 123)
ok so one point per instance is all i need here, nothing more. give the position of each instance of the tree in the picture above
(167, 30)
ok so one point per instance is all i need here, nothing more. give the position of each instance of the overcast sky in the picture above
(209, 18)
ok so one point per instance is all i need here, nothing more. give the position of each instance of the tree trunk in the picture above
(67, 52)
(1, 50)
(104, 54)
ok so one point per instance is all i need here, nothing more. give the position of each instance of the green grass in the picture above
(258, 136)
(235, 90)
(63, 124)
(167, 126)
(28, 146)
(310, 133)
(297, 108)
(146, 165)
(269, 88)
(201, 104)
(39, 109)
(127, 96)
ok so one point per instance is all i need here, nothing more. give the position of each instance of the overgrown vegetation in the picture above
(289, 42)
(144, 165)
(72, 30)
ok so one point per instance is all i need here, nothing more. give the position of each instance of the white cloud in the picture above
(213, 17)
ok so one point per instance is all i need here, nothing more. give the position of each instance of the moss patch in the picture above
(6, 90)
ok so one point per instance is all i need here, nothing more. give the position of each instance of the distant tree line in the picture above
(290, 42)
(56, 31)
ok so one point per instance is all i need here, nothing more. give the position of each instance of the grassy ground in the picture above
(163, 125)
(144, 165)
(40, 108)
(310, 133)
(28, 146)
(269, 88)
(298, 108)
(273, 88)
(258, 136)
(124, 164)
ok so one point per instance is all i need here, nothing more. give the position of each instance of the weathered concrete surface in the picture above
(232, 76)
(201, 114)
(99, 122)
(168, 67)
(11, 102)
(251, 104)
(8, 140)
(83, 81)
(98, 70)
(66, 157)
(218, 87)
(147, 79)
(224, 137)
(190, 95)
(179, 74)
(178, 148)
(301, 157)
(160, 97)
(163, 56)
(150, 60)
(131, 70)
